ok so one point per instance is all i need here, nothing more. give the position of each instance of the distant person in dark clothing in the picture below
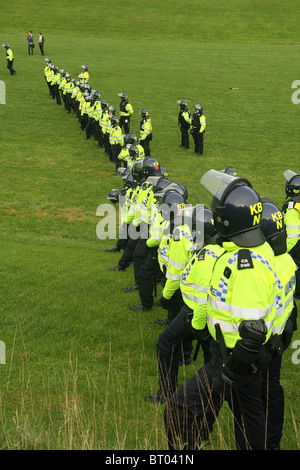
(30, 43)
(41, 43)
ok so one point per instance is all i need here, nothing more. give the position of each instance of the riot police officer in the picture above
(184, 121)
(240, 316)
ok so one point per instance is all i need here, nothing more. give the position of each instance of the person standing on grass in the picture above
(184, 121)
(41, 43)
(30, 43)
(240, 316)
(10, 59)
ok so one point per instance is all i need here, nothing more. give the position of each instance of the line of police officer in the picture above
(97, 118)
(229, 281)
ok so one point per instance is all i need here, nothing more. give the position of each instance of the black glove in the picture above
(222, 385)
(165, 303)
(201, 335)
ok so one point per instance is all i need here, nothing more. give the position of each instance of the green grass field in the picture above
(78, 361)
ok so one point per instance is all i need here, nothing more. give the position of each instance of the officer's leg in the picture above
(140, 254)
(146, 280)
(192, 410)
(249, 422)
(58, 100)
(201, 138)
(127, 125)
(273, 403)
(170, 348)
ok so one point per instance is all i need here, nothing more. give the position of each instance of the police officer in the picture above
(184, 121)
(116, 141)
(240, 316)
(149, 272)
(145, 131)
(55, 81)
(10, 59)
(175, 343)
(84, 110)
(291, 211)
(102, 121)
(126, 111)
(198, 129)
(140, 216)
(67, 91)
(285, 321)
(47, 73)
(84, 76)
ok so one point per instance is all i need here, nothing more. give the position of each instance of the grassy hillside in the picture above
(79, 362)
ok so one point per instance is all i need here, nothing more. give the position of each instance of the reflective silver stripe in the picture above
(173, 277)
(201, 288)
(224, 325)
(250, 313)
(243, 312)
(188, 284)
(176, 264)
(293, 235)
(188, 296)
(293, 227)
(200, 300)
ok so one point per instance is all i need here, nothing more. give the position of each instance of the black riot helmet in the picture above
(230, 171)
(133, 151)
(115, 194)
(159, 183)
(141, 169)
(203, 227)
(114, 121)
(179, 188)
(237, 210)
(104, 104)
(273, 227)
(171, 206)
(144, 113)
(292, 186)
(132, 138)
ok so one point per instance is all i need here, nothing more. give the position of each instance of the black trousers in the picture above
(185, 139)
(42, 48)
(56, 94)
(98, 134)
(84, 118)
(90, 128)
(193, 409)
(148, 273)
(10, 66)
(198, 141)
(140, 254)
(273, 397)
(127, 256)
(115, 151)
(125, 123)
(146, 145)
(68, 102)
(175, 344)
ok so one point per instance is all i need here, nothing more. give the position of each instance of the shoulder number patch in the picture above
(244, 259)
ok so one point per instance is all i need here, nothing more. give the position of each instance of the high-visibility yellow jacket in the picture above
(55, 79)
(195, 282)
(9, 54)
(285, 269)
(292, 223)
(243, 287)
(116, 136)
(146, 129)
(202, 123)
(84, 77)
(180, 250)
(126, 110)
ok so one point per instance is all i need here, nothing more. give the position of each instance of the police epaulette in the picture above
(201, 255)
(244, 259)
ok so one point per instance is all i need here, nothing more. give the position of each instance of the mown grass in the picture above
(79, 362)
